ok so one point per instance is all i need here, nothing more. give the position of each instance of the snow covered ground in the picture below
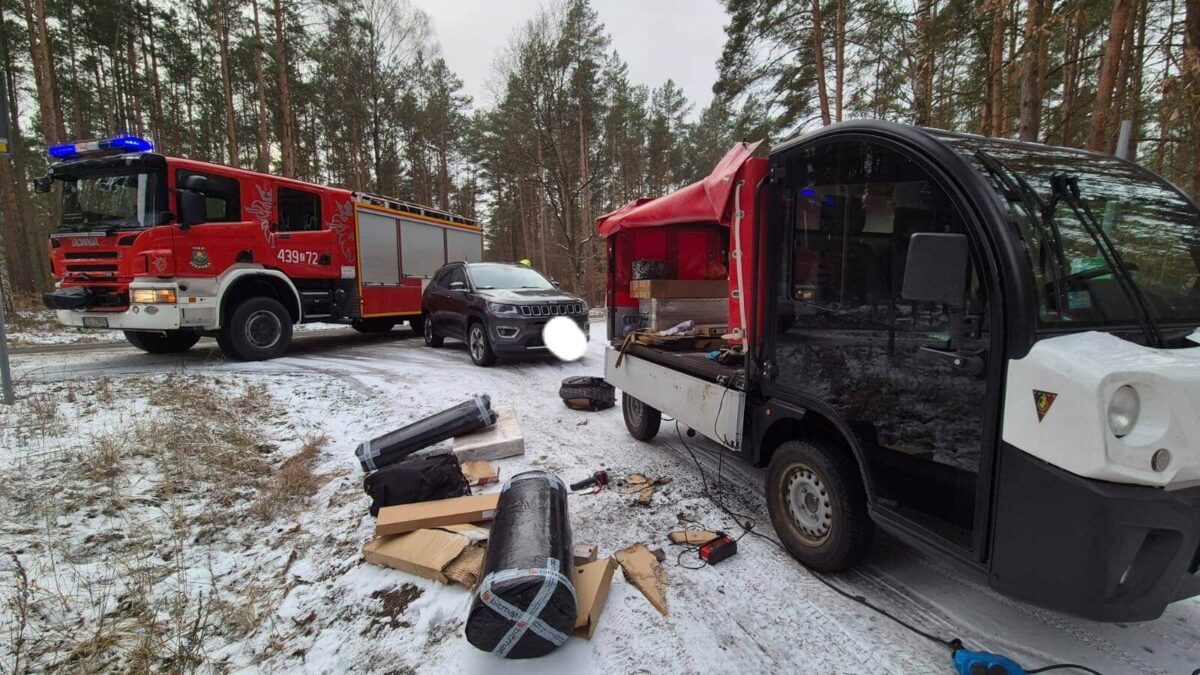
(189, 513)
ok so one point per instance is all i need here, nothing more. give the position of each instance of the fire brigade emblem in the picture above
(1043, 400)
(159, 263)
(200, 258)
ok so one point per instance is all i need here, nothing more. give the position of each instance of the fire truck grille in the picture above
(90, 255)
(92, 267)
(565, 309)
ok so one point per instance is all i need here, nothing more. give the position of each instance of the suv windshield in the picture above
(1125, 213)
(125, 201)
(486, 277)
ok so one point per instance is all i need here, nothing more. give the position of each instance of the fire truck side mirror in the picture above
(936, 269)
(41, 184)
(192, 208)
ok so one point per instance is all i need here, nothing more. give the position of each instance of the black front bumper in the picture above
(522, 336)
(1104, 551)
(74, 297)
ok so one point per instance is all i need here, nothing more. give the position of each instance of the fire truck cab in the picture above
(988, 349)
(169, 250)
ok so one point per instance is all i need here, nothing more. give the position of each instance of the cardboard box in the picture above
(583, 553)
(409, 517)
(661, 314)
(441, 554)
(678, 288)
(502, 439)
(478, 472)
(591, 591)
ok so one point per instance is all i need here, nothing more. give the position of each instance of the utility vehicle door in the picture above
(909, 379)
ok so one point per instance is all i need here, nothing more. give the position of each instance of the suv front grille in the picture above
(563, 309)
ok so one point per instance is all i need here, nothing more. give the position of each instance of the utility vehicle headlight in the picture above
(150, 296)
(1123, 409)
(497, 308)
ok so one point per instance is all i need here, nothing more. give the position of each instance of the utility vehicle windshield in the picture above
(120, 202)
(1110, 243)
(514, 277)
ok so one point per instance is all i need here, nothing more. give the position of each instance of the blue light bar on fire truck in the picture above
(116, 144)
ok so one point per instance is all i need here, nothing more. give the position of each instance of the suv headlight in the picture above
(151, 296)
(497, 308)
(1123, 409)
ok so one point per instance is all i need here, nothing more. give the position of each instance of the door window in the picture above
(222, 196)
(846, 336)
(299, 210)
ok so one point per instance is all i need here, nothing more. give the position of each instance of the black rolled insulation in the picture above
(394, 446)
(524, 606)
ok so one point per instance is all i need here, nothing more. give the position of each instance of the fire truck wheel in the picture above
(373, 325)
(817, 505)
(431, 339)
(167, 342)
(417, 324)
(642, 420)
(258, 329)
(479, 345)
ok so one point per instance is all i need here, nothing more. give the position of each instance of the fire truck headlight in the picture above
(497, 308)
(1123, 409)
(151, 296)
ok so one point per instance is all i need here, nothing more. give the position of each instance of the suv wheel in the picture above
(479, 345)
(258, 329)
(432, 339)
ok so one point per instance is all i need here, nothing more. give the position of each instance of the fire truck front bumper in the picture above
(162, 308)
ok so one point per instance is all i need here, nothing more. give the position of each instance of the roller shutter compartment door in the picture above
(464, 245)
(377, 242)
(424, 248)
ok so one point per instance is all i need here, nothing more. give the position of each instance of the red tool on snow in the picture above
(598, 479)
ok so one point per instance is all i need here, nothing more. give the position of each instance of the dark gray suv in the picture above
(498, 309)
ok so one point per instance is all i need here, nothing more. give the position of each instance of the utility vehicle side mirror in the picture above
(192, 208)
(194, 182)
(41, 184)
(936, 269)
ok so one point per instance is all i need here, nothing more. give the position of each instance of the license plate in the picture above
(95, 322)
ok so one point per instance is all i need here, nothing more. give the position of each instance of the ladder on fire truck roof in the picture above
(409, 207)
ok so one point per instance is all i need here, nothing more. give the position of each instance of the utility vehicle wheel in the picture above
(417, 324)
(642, 420)
(817, 505)
(258, 329)
(431, 339)
(479, 345)
(373, 325)
(167, 342)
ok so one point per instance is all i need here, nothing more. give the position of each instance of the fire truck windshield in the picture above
(1123, 213)
(123, 201)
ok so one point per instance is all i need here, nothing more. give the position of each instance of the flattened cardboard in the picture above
(692, 537)
(424, 553)
(591, 592)
(457, 510)
(643, 570)
(645, 289)
(479, 472)
(583, 553)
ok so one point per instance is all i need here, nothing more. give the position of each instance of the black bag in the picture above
(524, 606)
(417, 480)
(582, 392)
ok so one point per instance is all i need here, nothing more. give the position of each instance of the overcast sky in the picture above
(659, 39)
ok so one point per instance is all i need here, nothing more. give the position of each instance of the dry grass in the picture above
(164, 486)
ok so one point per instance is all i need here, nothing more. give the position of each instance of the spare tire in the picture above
(583, 392)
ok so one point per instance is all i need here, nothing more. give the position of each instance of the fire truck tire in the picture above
(641, 419)
(167, 342)
(417, 324)
(479, 345)
(431, 339)
(817, 505)
(373, 325)
(259, 328)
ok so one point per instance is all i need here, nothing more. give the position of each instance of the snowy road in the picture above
(758, 612)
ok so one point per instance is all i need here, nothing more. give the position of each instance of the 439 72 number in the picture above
(292, 256)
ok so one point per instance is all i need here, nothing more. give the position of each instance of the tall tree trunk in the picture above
(923, 87)
(839, 47)
(1136, 85)
(221, 24)
(49, 108)
(1107, 78)
(818, 47)
(263, 161)
(23, 243)
(1071, 69)
(76, 99)
(287, 135)
(135, 87)
(1191, 77)
(1030, 118)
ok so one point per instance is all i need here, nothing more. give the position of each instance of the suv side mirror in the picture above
(555, 283)
(936, 269)
(458, 286)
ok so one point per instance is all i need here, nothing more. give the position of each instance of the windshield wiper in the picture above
(1041, 217)
(1066, 188)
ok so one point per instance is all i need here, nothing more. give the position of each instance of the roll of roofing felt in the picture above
(394, 446)
(525, 605)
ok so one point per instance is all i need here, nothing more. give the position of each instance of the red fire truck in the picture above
(169, 250)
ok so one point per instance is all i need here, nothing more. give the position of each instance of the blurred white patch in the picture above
(564, 338)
